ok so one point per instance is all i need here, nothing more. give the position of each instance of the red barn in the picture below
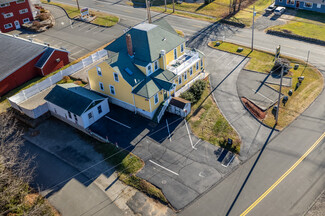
(22, 60)
(14, 13)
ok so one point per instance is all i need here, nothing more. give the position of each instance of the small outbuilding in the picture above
(76, 105)
(179, 106)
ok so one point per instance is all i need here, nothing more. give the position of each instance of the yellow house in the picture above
(147, 66)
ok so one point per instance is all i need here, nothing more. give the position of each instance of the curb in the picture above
(296, 37)
(80, 20)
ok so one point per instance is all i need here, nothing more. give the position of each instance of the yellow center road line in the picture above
(284, 175)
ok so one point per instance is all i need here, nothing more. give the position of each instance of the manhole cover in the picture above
(163, 182)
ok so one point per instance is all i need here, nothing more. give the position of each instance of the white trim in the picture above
(101, 84)
(110, 90)
(8, 15)
(24, 20)
(23, 11)
(118, 79)
(8, 24)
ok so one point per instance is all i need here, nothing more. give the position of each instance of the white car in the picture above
(279, 11)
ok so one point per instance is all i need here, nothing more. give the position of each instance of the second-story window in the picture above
(4, 5)
(23, 11)
(197, 65)
(7, 15)
(179, 80)
(149, 69)
(116, 77)
(156, 98)
(175, 53)
(191, 71)
(156, 65)
(182, 48)
(20, 1)
(99, 71)
(112, 89)
(185, 75)
(201, 62)
(101, 86)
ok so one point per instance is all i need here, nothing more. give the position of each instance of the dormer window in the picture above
(149, 69)
(156, 65)
(99, 71)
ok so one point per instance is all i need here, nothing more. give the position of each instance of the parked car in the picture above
(279, 10)
(270, 8)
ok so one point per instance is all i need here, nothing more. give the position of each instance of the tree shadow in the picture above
(251, 171)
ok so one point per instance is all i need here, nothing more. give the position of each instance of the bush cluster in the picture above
(195, 92)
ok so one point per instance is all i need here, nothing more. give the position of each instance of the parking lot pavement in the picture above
(79, 38)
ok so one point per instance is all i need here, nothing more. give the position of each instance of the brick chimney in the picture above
(129, 44)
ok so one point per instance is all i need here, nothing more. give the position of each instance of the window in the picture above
(4, 5)
(156, 65)
(201, 62)
(182, 48)
(99, 71)
(99, 109)
(9, 25)
(69, 114)
(112, 89)
(179, 80)
(23, 11)
(26, 20)
(308, 5)
(149, 69)
(156, 98)
(175, 53)
(290, 2)
(185, 75)
(20, 1)
(319, 5)
(191, 71)
(75, 118)
(7, 15)
(197, 65)
(101, 86)
(90, 115)
(115, 77)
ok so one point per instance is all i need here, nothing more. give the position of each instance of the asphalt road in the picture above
(302, 185)
(70, 196)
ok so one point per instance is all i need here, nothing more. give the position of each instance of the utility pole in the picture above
(277, 110)
(253, 28)
(165, 5)
(148, 11)
(173, 6)
(308, 56)
(78, 5)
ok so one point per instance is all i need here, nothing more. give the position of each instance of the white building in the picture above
(76, 105)
(179, 106)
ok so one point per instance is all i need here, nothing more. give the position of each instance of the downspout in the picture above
(135, 108)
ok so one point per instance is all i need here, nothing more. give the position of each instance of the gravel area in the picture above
(318, 208)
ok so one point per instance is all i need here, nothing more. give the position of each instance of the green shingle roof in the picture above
(72, 98)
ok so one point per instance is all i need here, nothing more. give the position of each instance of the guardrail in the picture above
(162, 111)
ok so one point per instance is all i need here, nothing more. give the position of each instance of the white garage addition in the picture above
(76, 105)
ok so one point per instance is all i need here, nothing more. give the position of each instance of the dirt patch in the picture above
(30, 199)
(197, 114)
(257, 112)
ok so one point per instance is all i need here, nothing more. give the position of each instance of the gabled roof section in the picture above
(179, 102)
(46, 55)
(73, 98)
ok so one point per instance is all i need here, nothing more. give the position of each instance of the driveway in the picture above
(70, 196)
(79, 38)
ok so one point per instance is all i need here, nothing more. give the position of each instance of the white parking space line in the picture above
(83, 26)
(262, 95)
(118, 122)
(189, 135)
(232, 60)
(164, 168)
(92, 29)
(197, 142)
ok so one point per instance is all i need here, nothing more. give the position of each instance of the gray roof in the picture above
(15, 53)
(73, 98)
(179, 102)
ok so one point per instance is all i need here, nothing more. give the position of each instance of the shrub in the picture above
(43, 16)
(195, 92)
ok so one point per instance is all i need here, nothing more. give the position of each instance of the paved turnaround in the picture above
(235, 194)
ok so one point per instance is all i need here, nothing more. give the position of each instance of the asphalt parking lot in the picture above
(79, 38)
(177, 162)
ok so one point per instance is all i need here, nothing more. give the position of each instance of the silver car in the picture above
(279, 11)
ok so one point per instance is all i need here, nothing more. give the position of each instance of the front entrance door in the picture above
(17, 25)
(297, 4)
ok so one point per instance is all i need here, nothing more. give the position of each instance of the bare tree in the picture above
(15, 171)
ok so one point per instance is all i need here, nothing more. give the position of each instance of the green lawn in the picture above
(104, 19)
(209, 124)
(308, 91)
(308, 24)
